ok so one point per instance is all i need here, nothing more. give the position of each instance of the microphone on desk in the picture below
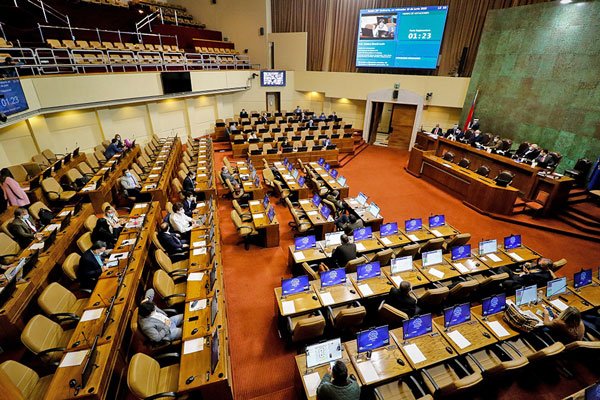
(78, 342)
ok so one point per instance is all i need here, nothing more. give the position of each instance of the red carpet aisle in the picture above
(263, 368)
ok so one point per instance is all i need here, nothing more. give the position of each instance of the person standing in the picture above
(13, 192)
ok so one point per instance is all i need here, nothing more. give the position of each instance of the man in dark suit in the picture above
(189, 184)
(537, 273)
(243, 114)
(402, 300)
(91, 265)
(544, 160)
(475, 124)
(437, 130)
(176, 249)
(344, 252)
(452, 131)
(476, 138)
(112, 149)
(298, 110)
(189, 204)
(532, 152)
(23, 229)
(262, 119)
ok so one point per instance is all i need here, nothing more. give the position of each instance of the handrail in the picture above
(147, 20)
(140, 35)
(46, 9)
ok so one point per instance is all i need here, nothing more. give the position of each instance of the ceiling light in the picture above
(565, 1)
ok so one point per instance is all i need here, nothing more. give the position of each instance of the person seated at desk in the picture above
(298, 110)
(180, 222)
(494, 143)
(189, 203)
(452, 131)
(348, 222)
(322, 117)
(112, 149)
(13, 192)
(286, 144)
(176, 249)
(333, 116)
(531, 153)
(155, 324)
(252, 135)
(437, 130)
(402, 299)
(189, 183)
(239, 194)
(310, 123)
(116, 223)
(263, 118)
(226, 175)
(334, 197)
(381, 30)
(326, 142)
(475, 124)
(476, 138)
(91, 265)
(103, 233)
(119, 141)
(23, 229)
(344, 252)
(130, 184)
(335, 384)
(533, 274)
(568, 325)
(544, 160)
(231, 128)
(243, 113)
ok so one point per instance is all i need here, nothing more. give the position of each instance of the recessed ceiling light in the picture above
(565, 1)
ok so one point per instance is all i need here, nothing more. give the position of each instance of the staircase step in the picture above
(580, 226)
(580, 217)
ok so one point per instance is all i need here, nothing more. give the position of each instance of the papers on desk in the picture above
(412, 237)
(140, 205)
(248, 183)
(73, 359)
(397, 280)
(415, 354)
(51, 227)
(37, 246)
(149, 187)
(195, 276)
(447, 165)
(386, 241)
(312, 381)
(367, 370)
(497, 328)
(257, 216)
(254, 202)
(288, 307)
(90, 315)
(200, 251)
(494, 257)
(365, 289)
(153, 175)
(459, 339)
(104, 169)
(118, 256)
(332, 181)
(127, 242)
(515, 256)
(201, 243)
(112, 264)
(559, 304)
(312, 212)
(193, 346)
(436, 233)
(156, 168)
(198, 205)
(88, 188)
(461, 268)
(299, 256)
(530, 314)
(436, 272)
(304, 201)
(64, 213)
(198, 305)
(360, 247)
(326, 299)
(203, 175)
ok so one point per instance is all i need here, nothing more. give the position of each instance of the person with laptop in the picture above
(537, 273)
(155, 324)
(180, 222)
(567, 326)
(344, 252)
(23, 229)
(91, 266)
(348, 223)
(336, 385)
(402, 299)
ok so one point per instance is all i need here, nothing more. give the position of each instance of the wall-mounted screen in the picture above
(272, 78)
(407, 37)
(12, 98)
(176, 82)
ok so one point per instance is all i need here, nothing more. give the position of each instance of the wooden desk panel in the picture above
(341, 294)
(330, 156)
(380, 285)
(525, 253)
(473, 331)
(590, 293)
(505, 260)
(466, 266)
(392, 241)
(476, 311)
(303, 302)
(368, 245)
(415, 277)
(384, 360)
(445, 267)
(433, 346)
(444, 231)
(301, 371)
(418, 236)
(308, 256)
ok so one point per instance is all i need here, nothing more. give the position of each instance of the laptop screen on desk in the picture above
(493, 304)
(461, 252)
(593, 392)
(366, 271)
(327, 167)
(333, 238)
(295, 173)
(430, 258)
(325, 211)
(413, 224)
(388, 229)
(401, 264)
(488, 247)
(582, 278)
(457, 315)
(526, 295)
(333, 277)
(294, 285)
(305, 242)
(372, 339)
(271, 214)
(437, 220)
(333, 173)
(321, 161)
(316, 199)
(266, 202)
(512, 242)
(374, 209)
(341, 180)
(301, 181)
(362, 233)
(285, 161)
(323, 353)
(556, 286)
(416, 326)
(361, 198)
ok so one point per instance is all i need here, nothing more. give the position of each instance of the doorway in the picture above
(401, 125)
(273, 99)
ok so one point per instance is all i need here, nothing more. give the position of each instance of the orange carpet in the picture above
(263, 367)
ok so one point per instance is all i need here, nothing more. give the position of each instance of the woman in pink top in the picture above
(13, 192)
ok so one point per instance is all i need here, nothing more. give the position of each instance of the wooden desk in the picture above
(505, 260)
(445, 268)
(433, 346)
(303, 302)
(466, 266)
(158, 182)
(374, 221)
(523, 254)
(473, 331)
(569, 298)
(418, 236)
(269, 231)
(37, 194)
(330, 182)
(415, 277)
(322, 226)
(392, 241)
(489, 321)
(302, 371)
(383, 360)
(302, 192)
(298, 257)
(443, 231)
(330, 156)
(341, 294)
(257, 192)
(368, 245)
(379, 285)
(590, 293)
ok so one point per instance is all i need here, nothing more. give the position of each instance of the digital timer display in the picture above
(408, 37)
(12, 98)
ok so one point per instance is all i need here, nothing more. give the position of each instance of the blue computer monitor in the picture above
(334, 173)
(593, 392)
(457, 315)
(316, 199)
(582, 278)
(461, 252)
(416, 326)
(437, 220)
(301, 181)
(325, 211)
(526, 295)
(333, 277)
(388, 229)
(290, 167)
(257, 182)
(556, 286)
(369, 270)
(271, 214)
(413, 224)
(362, 233)
(512, 242)
(493, 304)
(294, 285)
(488, 246)
(327, 167)
(374, 338)
(321, 161)
(305, 242)
(266, 202)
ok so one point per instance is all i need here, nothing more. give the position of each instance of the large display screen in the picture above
(12, 98)
(407, 37)
(272, 78)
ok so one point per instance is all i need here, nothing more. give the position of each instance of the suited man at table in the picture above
(345, 252)
(476, 139)
(176, 248)
(437, 130)
(475, 124)
(189, 183)
(402, 299)
(189, 203)
(23, 229)
(452, 131)
(243, 113)
(533, 273)
(532, 152)
(91, 265)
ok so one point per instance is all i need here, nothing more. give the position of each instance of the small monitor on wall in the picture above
(176, 82)
(12, 98)
(272, 78)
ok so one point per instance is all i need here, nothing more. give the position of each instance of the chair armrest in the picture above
(513, 347)
(52, 350)
(178, 272)
(417, 385)
(428, 375)
(171, 296)
(289, 324)
(86, 291)
(476, 362)
(161, 395)
(244, 227)
(166, 356)
(170, 312)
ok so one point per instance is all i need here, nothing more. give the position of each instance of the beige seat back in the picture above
(23, 377)
(351, 265)
(459, 240)
(52, 188)
(56, 299)
(391, 315)
(384, 257)
(41, 334)
(143, 376)
(163, 260)
(70, 266)
(18, 172)
(35, 208)
(84, 243)
(350, 317)
(90, 222)
(433, 298)
(84, 168)
(92, 161)
(156, 242)
(73, 174)
(4, 227)
(463, 291)
(432, 244)
(308, 328)
(40, 160)
(49, 154)
(8, 245)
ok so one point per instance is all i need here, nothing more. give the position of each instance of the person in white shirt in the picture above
(381, 29)
(180, 222)
(111, 216)
(130, 184)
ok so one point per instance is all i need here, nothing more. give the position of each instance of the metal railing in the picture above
(48, 10)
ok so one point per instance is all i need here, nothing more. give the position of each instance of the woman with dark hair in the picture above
(13, 192)
(104, 233)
